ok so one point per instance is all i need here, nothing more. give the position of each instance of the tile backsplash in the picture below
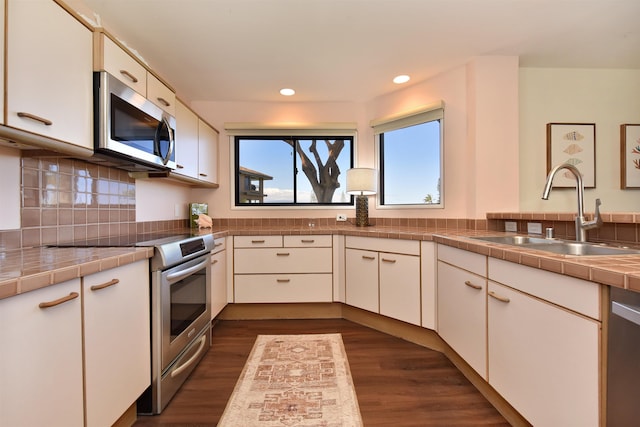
(65, 200)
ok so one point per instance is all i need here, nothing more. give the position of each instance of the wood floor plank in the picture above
(398, 383)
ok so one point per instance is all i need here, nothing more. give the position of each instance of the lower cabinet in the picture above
(544, 358)
(41, 358)
(383, 276)
(273, 269)
(462, 310)
(218, 277)
(45, 333)
(116, 340)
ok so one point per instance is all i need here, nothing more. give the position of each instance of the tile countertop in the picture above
(34, 268)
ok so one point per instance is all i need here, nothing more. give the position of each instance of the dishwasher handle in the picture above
(628, 312)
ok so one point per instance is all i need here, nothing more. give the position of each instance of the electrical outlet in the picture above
(534, 228)
(178, 210)
(341, 217)
(511, 226)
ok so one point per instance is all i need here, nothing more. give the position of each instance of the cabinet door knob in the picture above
(33, 117)
(130, 76)
(472, 285)
(49, 304)
(498, 297)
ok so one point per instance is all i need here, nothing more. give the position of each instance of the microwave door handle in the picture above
(164, 123)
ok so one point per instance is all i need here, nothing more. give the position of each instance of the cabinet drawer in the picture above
(409, 247)
(124, 67)
(578, 295)
(257, 241)
(283, 260)
(469, 261)
(275, 288)
(161, 95)
(307, 241)
(219, 245)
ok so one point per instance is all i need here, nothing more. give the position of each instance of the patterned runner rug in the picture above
(294, 380)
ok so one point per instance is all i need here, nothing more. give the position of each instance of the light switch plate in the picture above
(511, 226)
(534, 228)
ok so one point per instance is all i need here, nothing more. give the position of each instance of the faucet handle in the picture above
(597, 219)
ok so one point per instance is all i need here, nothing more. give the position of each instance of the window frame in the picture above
(238, 131)
(420, 115)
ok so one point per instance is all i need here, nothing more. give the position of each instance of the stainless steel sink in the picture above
(516, 240)
(563, 247)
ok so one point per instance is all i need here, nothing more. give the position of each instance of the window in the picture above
(292, 170)
(410, 158)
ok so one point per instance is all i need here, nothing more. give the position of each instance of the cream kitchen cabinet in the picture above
(41, 357)
(544, 344)
(114, 59)
(462, 304)
(207, 153)
(196, 148)
(49, 72)
(383, 276)
(218, 276)
(272, 269)
(116, 340)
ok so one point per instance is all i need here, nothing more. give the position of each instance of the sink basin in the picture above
(517, 240)
(563, 247)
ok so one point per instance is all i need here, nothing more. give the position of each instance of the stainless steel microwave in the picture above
(131, 132)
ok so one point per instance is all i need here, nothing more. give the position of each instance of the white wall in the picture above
(605, 97)
(160, 199)
(470, 185)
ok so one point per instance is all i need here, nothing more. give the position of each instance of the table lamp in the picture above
(362, 182)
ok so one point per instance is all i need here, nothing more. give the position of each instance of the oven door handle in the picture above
(180, 369)
(179, 275)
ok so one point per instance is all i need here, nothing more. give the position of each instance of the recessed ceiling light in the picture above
(401, 79)
(287, 92)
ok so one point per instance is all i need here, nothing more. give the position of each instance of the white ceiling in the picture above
(349, 50)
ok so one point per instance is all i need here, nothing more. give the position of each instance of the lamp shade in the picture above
(362, 181)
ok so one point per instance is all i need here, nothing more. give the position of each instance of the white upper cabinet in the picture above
(186, 141)
(122, 66)
(49, 72)
(208, 153)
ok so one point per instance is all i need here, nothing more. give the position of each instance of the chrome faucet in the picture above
(581, 224)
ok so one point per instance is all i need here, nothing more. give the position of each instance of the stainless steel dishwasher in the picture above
(623, 361)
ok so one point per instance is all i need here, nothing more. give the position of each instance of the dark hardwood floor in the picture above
(398, 383)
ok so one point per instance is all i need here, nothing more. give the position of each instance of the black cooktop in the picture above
(128, 240)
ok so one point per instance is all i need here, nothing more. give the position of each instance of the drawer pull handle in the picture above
(308, 240)
(215, 261)
(257, 241)
(282, 254)
(472, 285)
(49, 304)
(130, 76)
(391, 261)
(179, 167)
(369, 257)
(283, 280)
(164, 102)
(33, 117)
(498, 297)
(217, 244)
(203, 174)
(105, 285)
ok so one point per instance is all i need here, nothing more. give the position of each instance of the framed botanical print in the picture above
(629, 156)
(573, 143)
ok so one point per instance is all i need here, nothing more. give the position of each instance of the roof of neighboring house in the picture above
(254, 174)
